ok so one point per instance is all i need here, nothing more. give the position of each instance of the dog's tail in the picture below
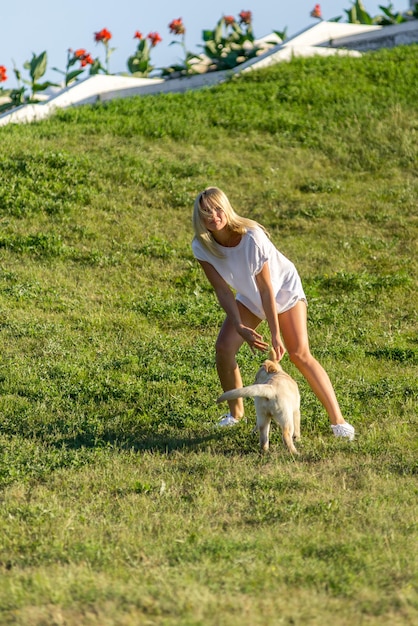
(252, 391)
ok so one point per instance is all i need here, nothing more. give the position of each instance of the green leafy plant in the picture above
(357, 14)
(11, 97)
(37, 68)
(75, 56)
(231, 42)
(389, 17)
(188, 66)
(139, 64)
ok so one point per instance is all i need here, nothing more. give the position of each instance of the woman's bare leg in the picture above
(293, 327)
(227, 346)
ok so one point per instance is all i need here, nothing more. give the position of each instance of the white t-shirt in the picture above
(240, 265)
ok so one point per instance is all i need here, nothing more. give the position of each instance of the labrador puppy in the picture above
(276, 397)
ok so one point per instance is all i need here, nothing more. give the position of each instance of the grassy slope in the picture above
(120, 502)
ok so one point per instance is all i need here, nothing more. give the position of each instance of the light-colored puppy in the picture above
(276, 397)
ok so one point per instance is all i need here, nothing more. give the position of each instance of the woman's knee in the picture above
(300, 357)
(226, 347)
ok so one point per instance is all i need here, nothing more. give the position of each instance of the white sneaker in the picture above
(343, 430)
(227, 420)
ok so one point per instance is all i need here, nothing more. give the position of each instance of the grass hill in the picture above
(121, 503)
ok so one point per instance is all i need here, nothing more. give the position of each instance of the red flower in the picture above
(84, 57)
(154, 38)
(3, 75)
(138, 35)
(103, 35)
(229, 20)
(316, 12)
(177, 27)
(245, 17)
(87, 60)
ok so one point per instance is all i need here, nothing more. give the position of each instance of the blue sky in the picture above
(28, 26)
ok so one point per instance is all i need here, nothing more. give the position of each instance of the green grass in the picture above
(121, 503)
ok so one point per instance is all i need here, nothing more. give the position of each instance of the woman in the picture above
(236, 253)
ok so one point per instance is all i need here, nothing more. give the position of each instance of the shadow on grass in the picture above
(237, 440)
(34, 456)
(162, 439)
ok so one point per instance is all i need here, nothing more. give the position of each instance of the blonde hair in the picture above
(214, 198)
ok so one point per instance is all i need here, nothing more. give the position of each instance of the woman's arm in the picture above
(223, 293)
(268, 300)
(227, 301)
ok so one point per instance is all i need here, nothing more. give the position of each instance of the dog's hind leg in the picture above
(264, 429)
(288, 439)
(296, 422)
(288, 431)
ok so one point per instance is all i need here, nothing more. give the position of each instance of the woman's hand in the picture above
(269, 305)
(279, 348)
(253, 338)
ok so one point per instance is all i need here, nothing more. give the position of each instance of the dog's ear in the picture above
(271, 367)
(272, 364)
(272, 355)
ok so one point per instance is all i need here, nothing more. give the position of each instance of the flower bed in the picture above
(228, 45)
